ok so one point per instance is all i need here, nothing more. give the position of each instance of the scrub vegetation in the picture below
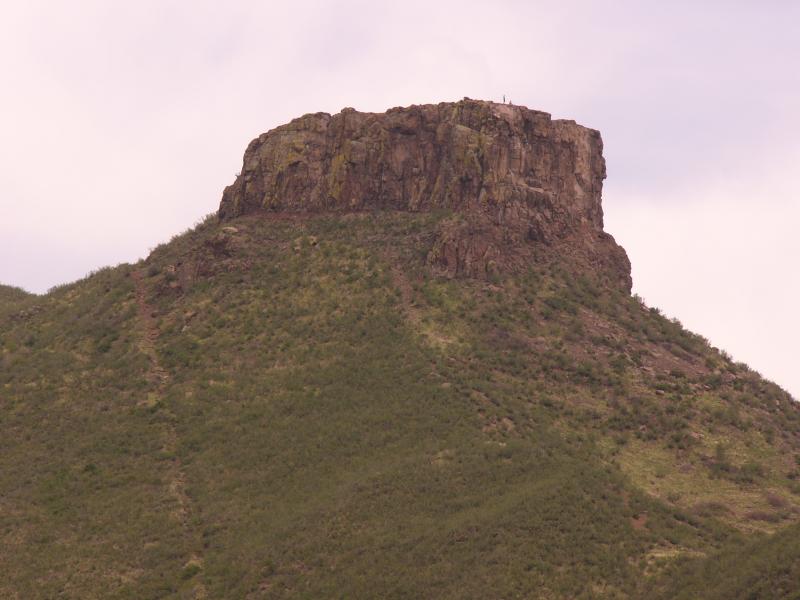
(295, 406)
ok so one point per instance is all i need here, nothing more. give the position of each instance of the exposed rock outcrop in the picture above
(521, 185)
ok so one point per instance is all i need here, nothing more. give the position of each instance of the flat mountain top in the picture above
(520, 184)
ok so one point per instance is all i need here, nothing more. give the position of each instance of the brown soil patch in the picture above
(639, 521)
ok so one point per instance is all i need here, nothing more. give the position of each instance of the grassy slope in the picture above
(763, 568)
(83, 503)
(338, 423)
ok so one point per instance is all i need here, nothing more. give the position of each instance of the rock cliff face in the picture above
(521, 186)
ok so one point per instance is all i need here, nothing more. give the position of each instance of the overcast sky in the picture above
(121, 122)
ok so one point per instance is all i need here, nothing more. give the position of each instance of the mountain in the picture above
(402, 361)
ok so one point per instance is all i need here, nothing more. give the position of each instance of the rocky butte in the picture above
(404, 364)
(521, 186)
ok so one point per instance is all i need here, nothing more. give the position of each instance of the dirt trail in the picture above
(401, 281)
(159, 378)
(147, 343)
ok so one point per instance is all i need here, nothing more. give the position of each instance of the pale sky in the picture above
(121, 123)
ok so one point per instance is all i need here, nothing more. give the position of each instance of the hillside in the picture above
(437, 388)
(10, 294)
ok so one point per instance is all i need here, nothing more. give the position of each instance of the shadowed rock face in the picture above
(521, 185)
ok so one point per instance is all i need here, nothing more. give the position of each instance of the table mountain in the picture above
(402, 361)
(521, 183)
